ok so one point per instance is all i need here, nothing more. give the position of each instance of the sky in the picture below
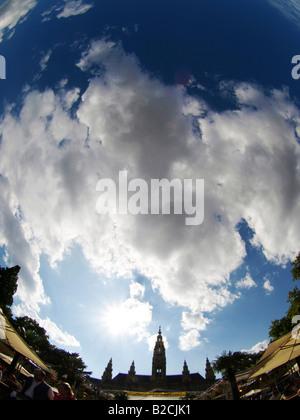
(92, 90)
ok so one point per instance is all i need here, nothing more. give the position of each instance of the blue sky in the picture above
(185, 90)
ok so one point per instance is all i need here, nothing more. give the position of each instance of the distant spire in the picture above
(209, 373)
(107, 374)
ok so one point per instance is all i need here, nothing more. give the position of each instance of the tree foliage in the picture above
(296, 268)
(34, 335)
(229, 364)
(69, 366)
(8, 287)
(280, 327)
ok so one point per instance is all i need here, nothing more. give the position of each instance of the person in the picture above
(276, 395)
(14, 385)
(65, 392)
(36, 388)
(297, 385)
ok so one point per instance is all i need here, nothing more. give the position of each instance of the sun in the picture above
(117, 320)
(129, 317)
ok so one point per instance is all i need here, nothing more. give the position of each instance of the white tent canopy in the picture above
(277, 354)
(11, 338)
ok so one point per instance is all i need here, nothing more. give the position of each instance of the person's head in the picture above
(39, 375)
(65, 389)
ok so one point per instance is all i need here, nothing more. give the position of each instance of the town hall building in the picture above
(158, 380)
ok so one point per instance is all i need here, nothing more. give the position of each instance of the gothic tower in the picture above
(107, 374)
(209, 373)
(186, 377)
(159, 361)
(131, 377)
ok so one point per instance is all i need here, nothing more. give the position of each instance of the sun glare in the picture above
(118, 320)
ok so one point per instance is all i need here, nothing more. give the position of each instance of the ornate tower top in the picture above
(159, 360)
(107, 374)
(186, 377)
(209, 373)
(131, 372)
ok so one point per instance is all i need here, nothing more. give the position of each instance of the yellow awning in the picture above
(10, 337)
(277, 354)
(9, 359)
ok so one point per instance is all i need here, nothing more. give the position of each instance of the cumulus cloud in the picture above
(289, 8)
(189, 340)
(151, 339)
(258, 347)
(194, 321)
(268, 286)
(246, 283)
(137, 289)
(131, 317)
(73, 8)
(55, 333)
(13, 12)
(51, 160)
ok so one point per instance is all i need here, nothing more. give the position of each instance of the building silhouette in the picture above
(158, 380)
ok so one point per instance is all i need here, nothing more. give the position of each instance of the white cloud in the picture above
(51, 161)
(58, 335)
(194, 321)
(130, 317)
(152, 341)
(73, 8)
(289, 8)
(44, 60)
(137, 289)
(55, 333)
(246, 283)
(268, 287)
(258, 347)
(190, 340)
(13, 12)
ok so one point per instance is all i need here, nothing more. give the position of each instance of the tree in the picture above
(8, 287)
(283, 326)
(69, 366)
(229, 364)
(34, 335)
(296, 270)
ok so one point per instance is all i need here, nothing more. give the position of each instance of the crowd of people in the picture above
(36, 388)
(290, 390)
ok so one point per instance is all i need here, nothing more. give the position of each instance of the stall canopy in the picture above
(277, 354)
(9, 337)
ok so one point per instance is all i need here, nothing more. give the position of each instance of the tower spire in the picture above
(159, 361)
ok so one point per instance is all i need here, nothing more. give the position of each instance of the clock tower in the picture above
(159, 361)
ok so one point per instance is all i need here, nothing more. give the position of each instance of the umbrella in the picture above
(9, 337)
(277, 354)
(9, 360)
